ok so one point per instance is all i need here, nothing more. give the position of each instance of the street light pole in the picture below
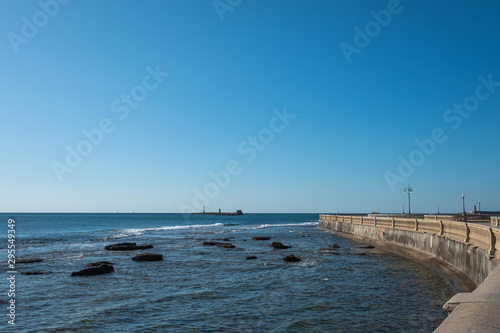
(403, 209)
(438, 209)
(409, 190)
(479, 202)
(463, 204)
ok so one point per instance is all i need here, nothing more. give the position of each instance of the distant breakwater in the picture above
(219, 213)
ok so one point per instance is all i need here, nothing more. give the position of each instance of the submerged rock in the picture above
(334, 246)
(291, 258)
(103, 269)
(226, 245)
(99, 263)
(211, 243)
(251, 258)
(148, 257)
(279, 246)
(360, 254)
(35, 272)
(28, 261)
(258, 238)
(366, 246)
(127, 247)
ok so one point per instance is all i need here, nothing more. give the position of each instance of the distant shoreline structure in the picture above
(220, 213)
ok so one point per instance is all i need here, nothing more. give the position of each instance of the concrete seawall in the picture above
(465, 254)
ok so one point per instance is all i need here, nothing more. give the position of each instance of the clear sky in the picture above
(291, 106)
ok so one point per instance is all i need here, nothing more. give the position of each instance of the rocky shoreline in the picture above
(106, 267)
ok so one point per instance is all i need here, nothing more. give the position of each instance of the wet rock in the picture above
(279, 246)
(226, 245)
(127, 247)
(35, 272)
(360, 254)
(103, 269)
(366, 246)
(291, 258)
(225, 239)
(28, 261)
(251, 258)
(144, 246)
(259, 238)
(99, 263)
(210, 243)
(334, 246)
(148, 257)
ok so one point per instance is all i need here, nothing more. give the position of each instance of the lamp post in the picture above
(438, 209)
(463, 204)
(403, 209)
(409, 190)
(479, 202)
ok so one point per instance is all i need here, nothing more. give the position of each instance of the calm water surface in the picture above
(204, 288)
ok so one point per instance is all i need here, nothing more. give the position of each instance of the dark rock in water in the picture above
(35, 272)
(226, 245)
(278, 245)
(261, 238)
(127, 247)
(210, 243)
(28, 261)
(143, 246)
(103, 269)
(366, 246)
(291, 258)
(121, 247)
(225, 239)
(360, 254)
(99, 263)
(251, 258)
(334, 246)
(148, 257)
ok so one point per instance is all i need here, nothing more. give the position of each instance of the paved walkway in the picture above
(476, 311)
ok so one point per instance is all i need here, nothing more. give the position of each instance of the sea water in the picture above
(198, 288)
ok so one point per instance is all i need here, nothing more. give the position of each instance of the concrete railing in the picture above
(495, 220)
(483, 238)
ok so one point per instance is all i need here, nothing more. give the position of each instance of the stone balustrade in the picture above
(484, 238)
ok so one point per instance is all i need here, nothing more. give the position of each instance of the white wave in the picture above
(304, 224)
(137, 232)
(127, 233)
(307, 264)
(179, 227)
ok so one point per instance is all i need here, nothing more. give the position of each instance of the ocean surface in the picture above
(199, 288)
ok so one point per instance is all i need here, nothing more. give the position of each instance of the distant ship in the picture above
(238, 212)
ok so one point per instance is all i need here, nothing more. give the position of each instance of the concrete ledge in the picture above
(476, 311)
(471, 317)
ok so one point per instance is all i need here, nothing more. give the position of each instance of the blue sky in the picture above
(262, 86)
